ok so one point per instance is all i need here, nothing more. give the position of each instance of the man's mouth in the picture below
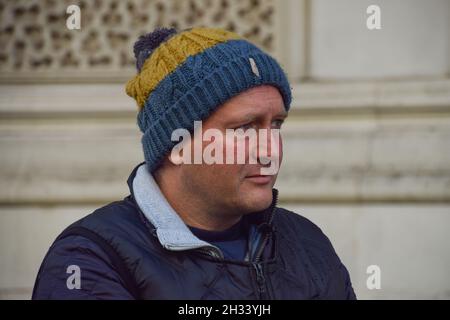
(259, 179)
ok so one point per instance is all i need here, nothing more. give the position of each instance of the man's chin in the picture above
(257, 197)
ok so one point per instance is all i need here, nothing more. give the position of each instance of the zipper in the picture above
(260, 279)
(257, 265)
(267, 224)
(260, 248)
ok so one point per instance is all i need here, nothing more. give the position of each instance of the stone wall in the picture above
(367, 143)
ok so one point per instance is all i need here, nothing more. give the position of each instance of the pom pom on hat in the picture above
(145, 45)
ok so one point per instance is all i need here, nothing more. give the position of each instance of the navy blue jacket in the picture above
(124, 251)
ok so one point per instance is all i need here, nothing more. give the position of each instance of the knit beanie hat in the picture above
(183, 76)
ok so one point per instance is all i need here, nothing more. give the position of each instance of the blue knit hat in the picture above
(184, 76)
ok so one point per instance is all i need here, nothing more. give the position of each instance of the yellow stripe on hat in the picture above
(170, 54)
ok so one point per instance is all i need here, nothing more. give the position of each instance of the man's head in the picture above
(234, 187)
(224, 81)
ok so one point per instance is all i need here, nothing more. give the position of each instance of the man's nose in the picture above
(268, 148)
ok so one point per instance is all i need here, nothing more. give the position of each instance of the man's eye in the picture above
(277, 123)
(244, 126)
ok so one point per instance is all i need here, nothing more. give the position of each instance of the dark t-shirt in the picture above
(232, 241)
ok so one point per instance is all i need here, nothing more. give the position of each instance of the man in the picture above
(193, 228)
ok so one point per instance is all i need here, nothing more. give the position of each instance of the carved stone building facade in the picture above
(367, 143)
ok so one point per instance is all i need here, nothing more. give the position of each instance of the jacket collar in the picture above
(172, 232)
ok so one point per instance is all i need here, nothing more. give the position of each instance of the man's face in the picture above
(239, 188)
